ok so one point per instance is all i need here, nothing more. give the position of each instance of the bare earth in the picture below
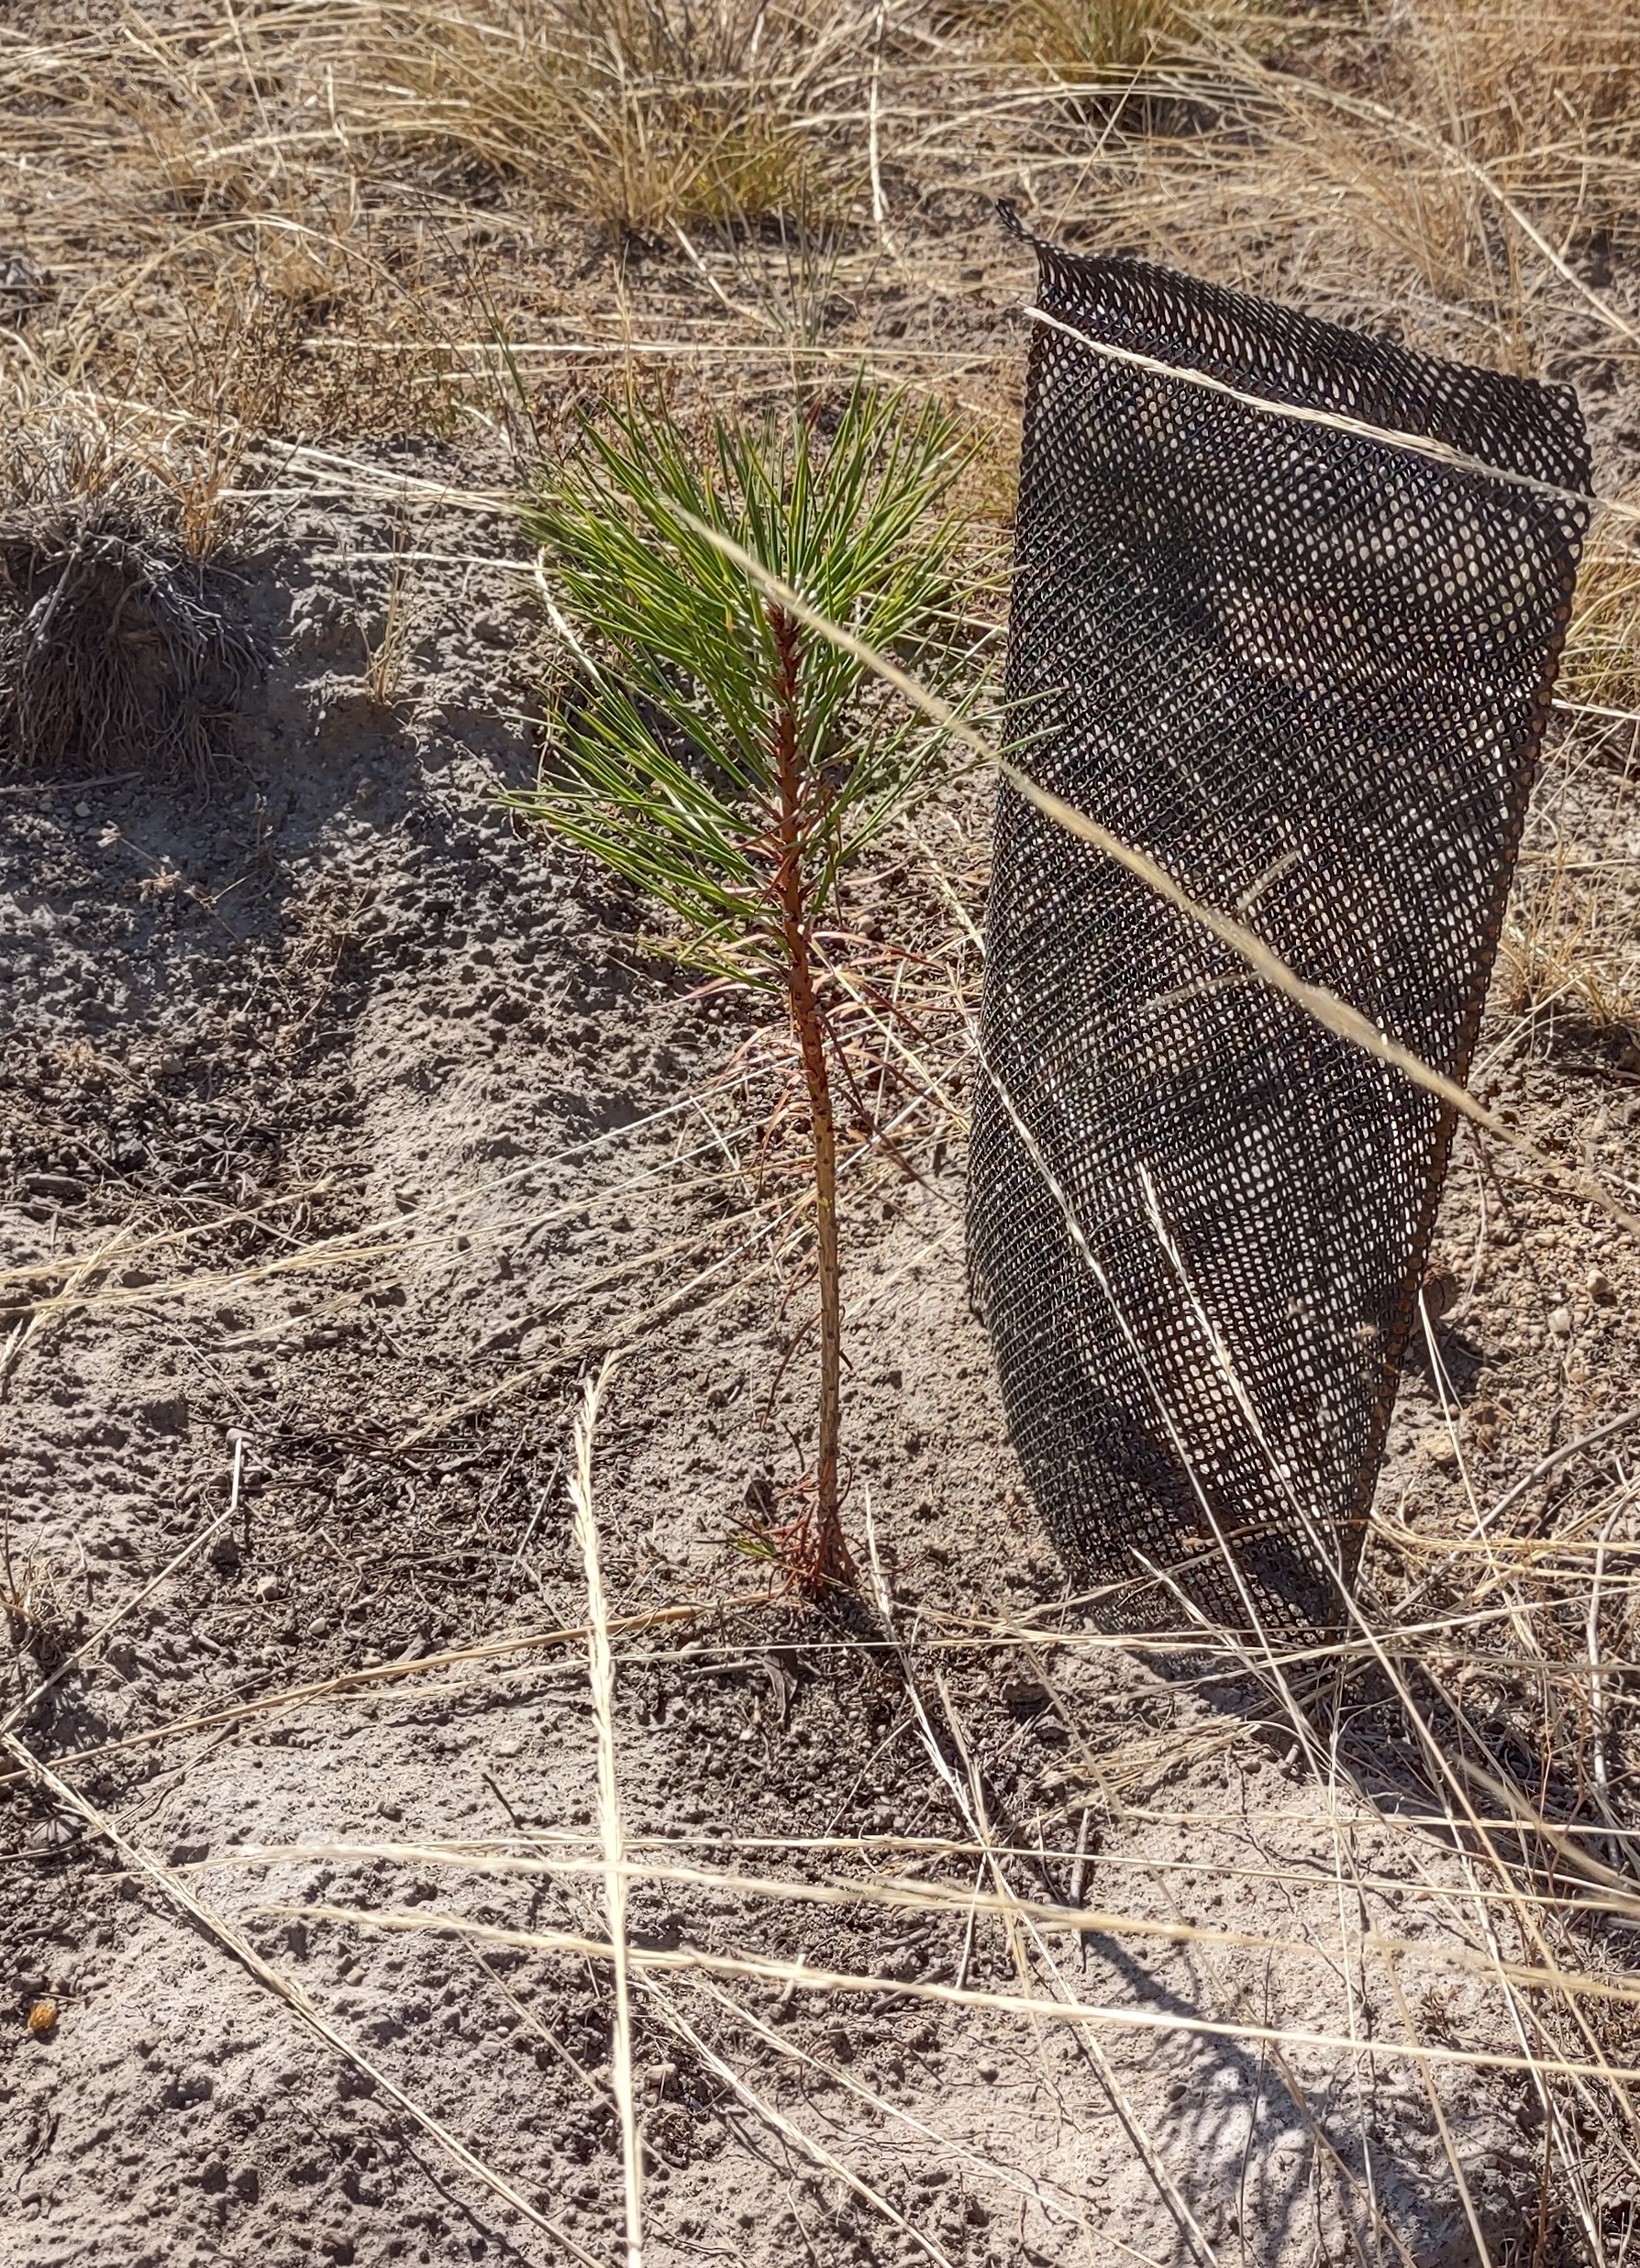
(346, 1128)
(343, 998)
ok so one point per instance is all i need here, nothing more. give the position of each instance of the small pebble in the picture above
(1600, 1289)
(987, 2071)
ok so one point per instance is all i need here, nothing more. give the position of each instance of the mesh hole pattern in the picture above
(1308, 674)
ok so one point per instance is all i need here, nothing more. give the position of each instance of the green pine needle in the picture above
(660, 749)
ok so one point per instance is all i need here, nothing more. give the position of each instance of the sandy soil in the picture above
(344, 1130)
(340, 997)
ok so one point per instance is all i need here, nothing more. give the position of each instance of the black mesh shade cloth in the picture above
(1308, 674)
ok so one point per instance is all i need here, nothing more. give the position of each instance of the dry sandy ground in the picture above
(344, 1130)
(341, 997)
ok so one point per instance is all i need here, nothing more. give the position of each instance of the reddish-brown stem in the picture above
(793, 816)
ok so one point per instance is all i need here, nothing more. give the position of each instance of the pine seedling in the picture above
(719, 755)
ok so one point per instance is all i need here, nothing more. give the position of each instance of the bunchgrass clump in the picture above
(1101, 42)
(1600, 665)
(634, 113)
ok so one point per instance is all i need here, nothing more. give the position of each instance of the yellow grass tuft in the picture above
(1571, 950)
(1094, 41)
(635, 116)
(1602, 661)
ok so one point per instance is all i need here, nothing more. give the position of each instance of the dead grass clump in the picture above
(1602, 661)
(1095, 41)
(1537, 86)
(1507, 114)
(41, 1618)
(1568, 963)
(633, 113)
(1460, 171)
(115, 652)
(309, 351)
(1570, 949)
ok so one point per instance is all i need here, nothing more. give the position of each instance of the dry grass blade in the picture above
(68, 1288)
(88, 1268)
(805, 1977)
(426, 1227)
(386, 1672)
(969, 1797)
(1557, 1458)
(789, 2129)
(1442, 2128)
(877, 2105)
(602, 1673)
(906, 1896)
(196, 1544)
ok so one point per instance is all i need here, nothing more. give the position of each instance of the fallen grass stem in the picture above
(802, 1977)
(1333, 1014)
(953, 1900)
(776, 2119)
(179, 1559)
(382, 1673)
(613, 1867)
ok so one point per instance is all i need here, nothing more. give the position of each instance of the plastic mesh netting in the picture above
(1308, 674)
